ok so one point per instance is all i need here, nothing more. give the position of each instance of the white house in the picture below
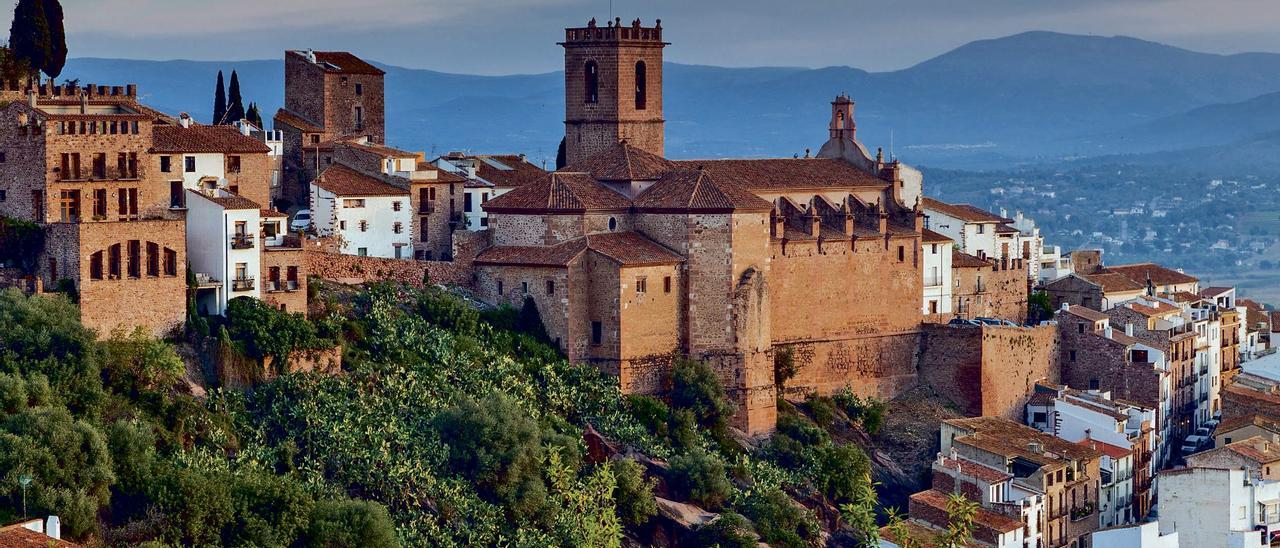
(1053, 264)
(370, 216)
(1143, 535)
(978, 232)
(488, 176)
(1215, 507)
(222, 247)
(1030, 244)
(936, 250)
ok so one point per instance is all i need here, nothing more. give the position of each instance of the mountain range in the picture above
(1031, 97)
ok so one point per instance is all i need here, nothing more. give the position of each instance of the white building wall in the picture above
(367, 230)
(210, 230)
(1145, 535)
(1212, 507)
(207, 165)
(937, 277)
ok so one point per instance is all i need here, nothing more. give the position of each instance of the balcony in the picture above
(242, 284)
(1081, 512)
(272, 286)
(242, 241)
(98, 174)
(932, 281)
(426, 207)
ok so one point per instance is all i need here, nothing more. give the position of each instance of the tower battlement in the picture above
(614, 33)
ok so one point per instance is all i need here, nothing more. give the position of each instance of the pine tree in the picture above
(57, 39)
(219, 103)
(254, 116)
(235, 105)
(29, 34)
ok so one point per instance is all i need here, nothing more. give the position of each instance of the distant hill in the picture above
(1032, 96)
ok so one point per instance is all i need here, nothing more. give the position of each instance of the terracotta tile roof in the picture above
(1086, 313)
(1249, 393)
(557, 255)
(1183, 297)
(1236, 423)
(931, 237)
(1257, 449)
(271, 213)
(1125, 339)
(230, 201)
(628, 249)
(342, 62)
(983, 517)
(344, 181)
(1160, 308)
(519, 171)
(695, 190)
(442, 175)
(17, 536)
(964, 212)
(375, 148)
(623, 162)
(560, 191)
(1011, 439)
(295, 120)
(1005, 229)
(1159, 275)
(785, 174)
(1040, 399)
(1113, 451)
(1210, 292)
(960, 259)
(1113, 283)
(201, 138)
(976, 470)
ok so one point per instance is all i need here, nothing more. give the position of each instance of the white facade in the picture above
(1053, 264)
(975, 238)
(475, 193)
(223, 249)
(1145, 535)
(937, 277)
(1213, 507)
(1030, 245)
(374, 226)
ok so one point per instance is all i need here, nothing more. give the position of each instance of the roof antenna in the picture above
(891, 156)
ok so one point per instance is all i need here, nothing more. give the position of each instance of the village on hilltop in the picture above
(1104, 405)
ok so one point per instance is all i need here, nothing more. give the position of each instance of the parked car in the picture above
(301, 220)
(1195, 440)
(962, 321)
(1203, 431)
(989, 321)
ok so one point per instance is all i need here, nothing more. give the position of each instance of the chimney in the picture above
(778, 224)
(311, 56)
(53, 528)
(1034, 447)
(1128, 329)
(184, 120)
(1107, 330)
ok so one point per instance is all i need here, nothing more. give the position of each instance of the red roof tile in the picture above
(17, 536)
(1086, 313)
(344, 181)
(557, 255)
(1113, 451)
(960, 259)
(983, 517)
(625, 248)
(296, 121)
(623, 162)
(230, 201)
(695, 190)
(341, 62)
(271, 213)
(785, 174)
(1159, 275)
(964, 212)
(976, 470)
(559, 191)
(519, 171)
(1113, 283)
(201, 138)
(931, 237)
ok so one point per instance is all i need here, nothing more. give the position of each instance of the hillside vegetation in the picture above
(449, 426)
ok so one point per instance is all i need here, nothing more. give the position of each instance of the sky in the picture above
(519, 36)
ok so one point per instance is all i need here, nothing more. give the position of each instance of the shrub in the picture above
(261, 330)
(870, 411)
(44, 335)
(447, 311)
(700, 477)
(683, 429)
(697, 388)
(497, 444)
(730, 530)
(633, 493)
(650, 412)
(349, 524)
(779, 520)
(842, 472)
(20, 243)
(197, 507)
(136, 362)
(68, 461)
(822, 408)
(784, 368)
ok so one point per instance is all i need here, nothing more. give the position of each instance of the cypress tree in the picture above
(561, 155)
(219, 103)
(29, 34)
(254, 116)
(57, 39)
(235, 105)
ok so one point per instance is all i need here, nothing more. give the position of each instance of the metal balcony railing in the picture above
(242, 284)
(242, 241)
(426, 207)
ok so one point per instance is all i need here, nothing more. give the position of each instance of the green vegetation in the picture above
(36, 36)
(449, 426)
(20, 243)
(869, 411)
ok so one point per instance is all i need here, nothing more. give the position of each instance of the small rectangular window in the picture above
(359, 89)
(524, 287)
(641, 284)
(397, 228)
(499, 287)
(666, 284)
(166, 164)
(902, 253)
(1073, 355)
(597, 332)
(395, 206)
(551, 287)
(233, 164)
(189, 164)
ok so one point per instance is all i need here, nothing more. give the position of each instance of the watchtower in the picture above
(613, 88)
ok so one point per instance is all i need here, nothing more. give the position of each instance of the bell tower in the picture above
(612, 88)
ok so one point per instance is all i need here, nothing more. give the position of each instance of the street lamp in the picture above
(24, 480)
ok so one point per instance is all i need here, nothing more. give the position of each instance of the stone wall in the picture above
(989, 370)
(156, 302)
(283, 297)
(998, 291)
(1074, 290)
(594, 126)
(240, 372)
(253, 181)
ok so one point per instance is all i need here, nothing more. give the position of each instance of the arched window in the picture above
(591, 78)
(642, 85)
(613, 224)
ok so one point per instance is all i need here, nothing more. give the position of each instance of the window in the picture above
(270, 229)
(642, 84)
(70, 168)
(933, 248)
(233, 164)
(359, 89)
(466, 202)
(189, 164)
(591, 82)
(128, 203)
(113, 261)
(666, 284)
(1039, 417)
(363, 252)
(613, 224)
(2, 157)
(99, 166)
(37, 204)
(982, 229)
(499, 287)
(95, 266)
(642, 284)
(1093, 384)
(69, 204)
(902, 253)
(353, 202)
(395, 206)
(933, 307)
(397, 228)
(359, 116)
(342, 225)
(153, 259)
(597, 332)
(364, 225)
(315, 138)
(135, 259)
(1072, 355)
(3, 195)
(551, 287)
(1080, 328)
(423, 234)
(166, 164)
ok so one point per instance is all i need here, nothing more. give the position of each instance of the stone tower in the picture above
(337, 92)
(613, 88)
(842, 124)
